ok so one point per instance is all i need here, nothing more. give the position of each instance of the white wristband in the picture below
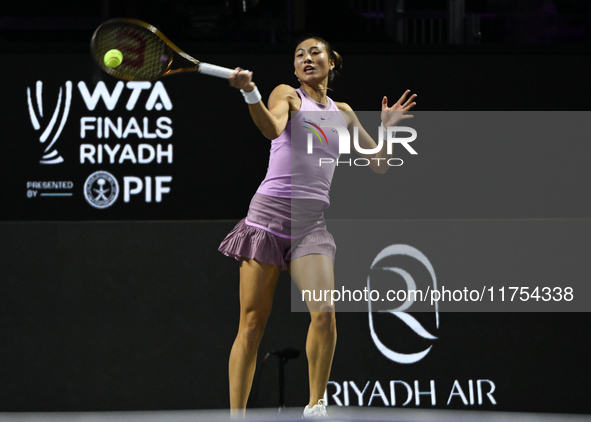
(251, 97)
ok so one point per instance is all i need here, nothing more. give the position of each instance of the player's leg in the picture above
(257, 286)
(315, 272)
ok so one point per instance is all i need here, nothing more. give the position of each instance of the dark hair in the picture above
(332, 55)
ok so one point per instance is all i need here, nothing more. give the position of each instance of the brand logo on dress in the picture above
(50, 154)
(315, 131)
(408, 319)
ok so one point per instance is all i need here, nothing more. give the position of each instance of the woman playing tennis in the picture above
(284, 227)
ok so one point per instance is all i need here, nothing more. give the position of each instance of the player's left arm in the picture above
(390, 116)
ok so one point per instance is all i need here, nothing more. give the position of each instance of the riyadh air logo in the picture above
(409, 320)
(47, 123)
(101, 189)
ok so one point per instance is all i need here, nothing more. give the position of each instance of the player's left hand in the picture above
(391, 116)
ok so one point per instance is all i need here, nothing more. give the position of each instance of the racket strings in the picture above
(145, 55)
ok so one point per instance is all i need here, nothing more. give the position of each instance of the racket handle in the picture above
(213, 70)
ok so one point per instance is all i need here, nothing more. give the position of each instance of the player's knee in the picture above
(325, 320)
(252, 327)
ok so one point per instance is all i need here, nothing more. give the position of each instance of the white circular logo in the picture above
(101, 189)
(408, 319)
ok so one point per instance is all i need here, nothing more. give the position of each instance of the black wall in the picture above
(142, 316)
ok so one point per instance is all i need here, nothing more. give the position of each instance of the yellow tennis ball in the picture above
(113, 58)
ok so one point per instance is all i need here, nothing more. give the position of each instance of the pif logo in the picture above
(101, 189)
(37, 115)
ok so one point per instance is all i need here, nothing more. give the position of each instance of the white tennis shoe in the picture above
(316, 412)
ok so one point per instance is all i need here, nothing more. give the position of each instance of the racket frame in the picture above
(171, 46)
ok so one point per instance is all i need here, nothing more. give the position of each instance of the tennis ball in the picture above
(113, 58)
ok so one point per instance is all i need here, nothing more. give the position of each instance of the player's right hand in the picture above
(242, 79)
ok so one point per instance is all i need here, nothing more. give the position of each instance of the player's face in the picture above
(311, 61)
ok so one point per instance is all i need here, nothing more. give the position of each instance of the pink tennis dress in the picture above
(285, 218)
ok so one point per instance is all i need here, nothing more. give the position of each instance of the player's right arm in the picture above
(270, 120)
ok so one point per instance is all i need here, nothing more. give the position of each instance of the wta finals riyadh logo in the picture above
(50, 156)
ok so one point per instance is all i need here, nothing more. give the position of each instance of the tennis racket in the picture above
(147, 53)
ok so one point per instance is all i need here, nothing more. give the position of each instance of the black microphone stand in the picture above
(282, 362)
(284, 355)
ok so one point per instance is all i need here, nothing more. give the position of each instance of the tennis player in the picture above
(285, 227)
